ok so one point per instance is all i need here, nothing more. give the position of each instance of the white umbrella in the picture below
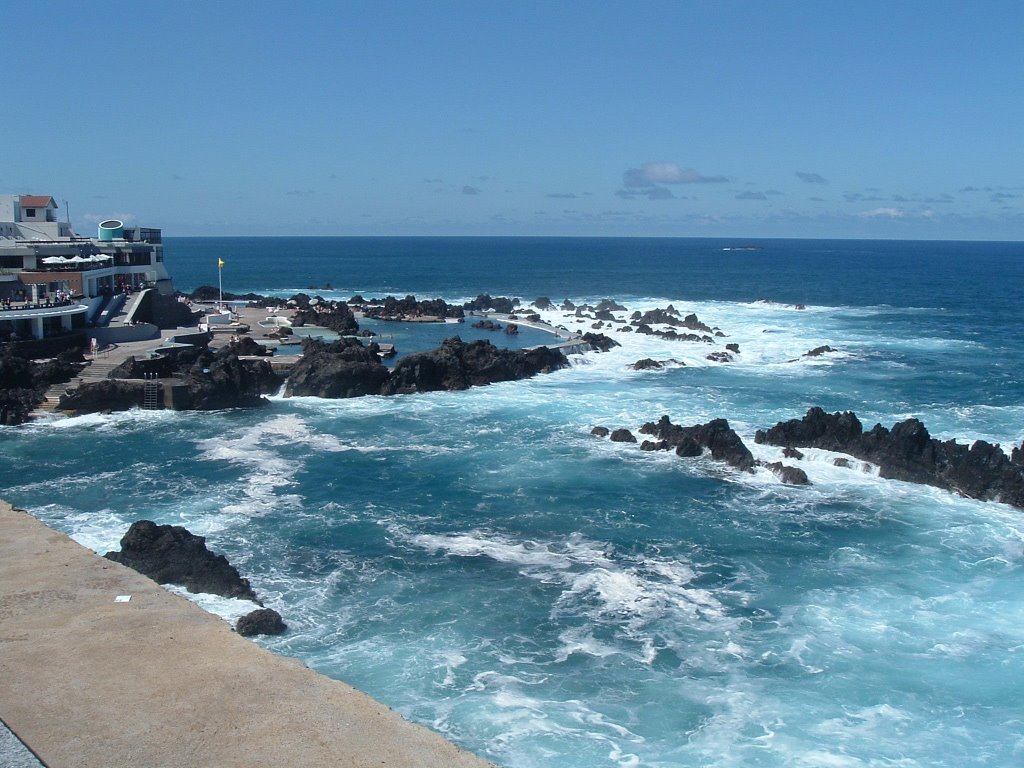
(102, 257)
(78, 260)
(54, 260)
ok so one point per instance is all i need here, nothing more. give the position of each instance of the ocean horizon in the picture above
(483, 564)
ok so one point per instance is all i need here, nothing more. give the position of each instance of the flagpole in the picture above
(220, 280)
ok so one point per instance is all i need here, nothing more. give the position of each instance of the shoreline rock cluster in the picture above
(716, 436)
(906, 452)
(23, 382)
(171, 554)
(346, 368)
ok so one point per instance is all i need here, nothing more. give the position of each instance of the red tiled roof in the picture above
(37, 201)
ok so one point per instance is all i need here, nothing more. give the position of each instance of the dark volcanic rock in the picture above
(907, 452)
(391, 308)
(105, 395)
(16, 403)
(609, 305)
(622, 436)
(335, 315)
(568, 306)
(498, 304)
(818, 351)
(263, 621)
(647, 364)
(511, 329)
(487, 325)
(344, 368)
(717, 436)
(224, 381)
(842, 462)
(789, 475)
(733, 348)
(543, 302)
(687, 447)
(652, 445)
(456, 365)
(792, 453)
(720, 357)
(816, 430)
(600, 342)
(23, 382)
(166, 311)
(170, 554)
(600, 431)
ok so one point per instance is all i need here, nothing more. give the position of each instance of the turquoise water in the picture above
(482, 564)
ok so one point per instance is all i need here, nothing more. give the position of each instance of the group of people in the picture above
(57, 298)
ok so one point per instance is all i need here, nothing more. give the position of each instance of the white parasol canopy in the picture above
(55, 260)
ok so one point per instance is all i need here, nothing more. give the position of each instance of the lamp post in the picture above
(220, 280)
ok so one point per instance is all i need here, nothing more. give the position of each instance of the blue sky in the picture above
(733, 119)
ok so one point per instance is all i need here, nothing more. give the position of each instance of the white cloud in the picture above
(891, 213)
(651, 174)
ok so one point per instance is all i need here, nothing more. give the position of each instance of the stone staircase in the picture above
(95, 371)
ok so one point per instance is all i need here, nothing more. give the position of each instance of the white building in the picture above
(53, 281)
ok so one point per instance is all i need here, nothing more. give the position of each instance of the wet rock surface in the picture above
(716, 436)
(264, 621)
(908, 452)
(171, 554)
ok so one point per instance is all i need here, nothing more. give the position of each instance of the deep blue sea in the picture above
(481, 563)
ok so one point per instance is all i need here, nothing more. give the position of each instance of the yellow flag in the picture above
(220, 263)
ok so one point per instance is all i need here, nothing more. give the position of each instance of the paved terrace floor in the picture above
(156, 681)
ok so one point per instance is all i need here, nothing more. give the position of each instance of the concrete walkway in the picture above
(156, 681)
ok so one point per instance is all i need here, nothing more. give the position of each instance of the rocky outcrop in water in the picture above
(908, 452)
(599, 341)
(263, 621)
(391, 308)
(170, 554)
(622, 436)
(342, 369)
(787, 474)
(209, 381)
(456, 365)
(716, 436)
(485, 302)
(819, 351)
(225, 381)
(673, 335)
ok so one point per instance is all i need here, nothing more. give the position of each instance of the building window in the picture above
(30, 213)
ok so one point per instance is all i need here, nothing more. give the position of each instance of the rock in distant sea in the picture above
(171, 554)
